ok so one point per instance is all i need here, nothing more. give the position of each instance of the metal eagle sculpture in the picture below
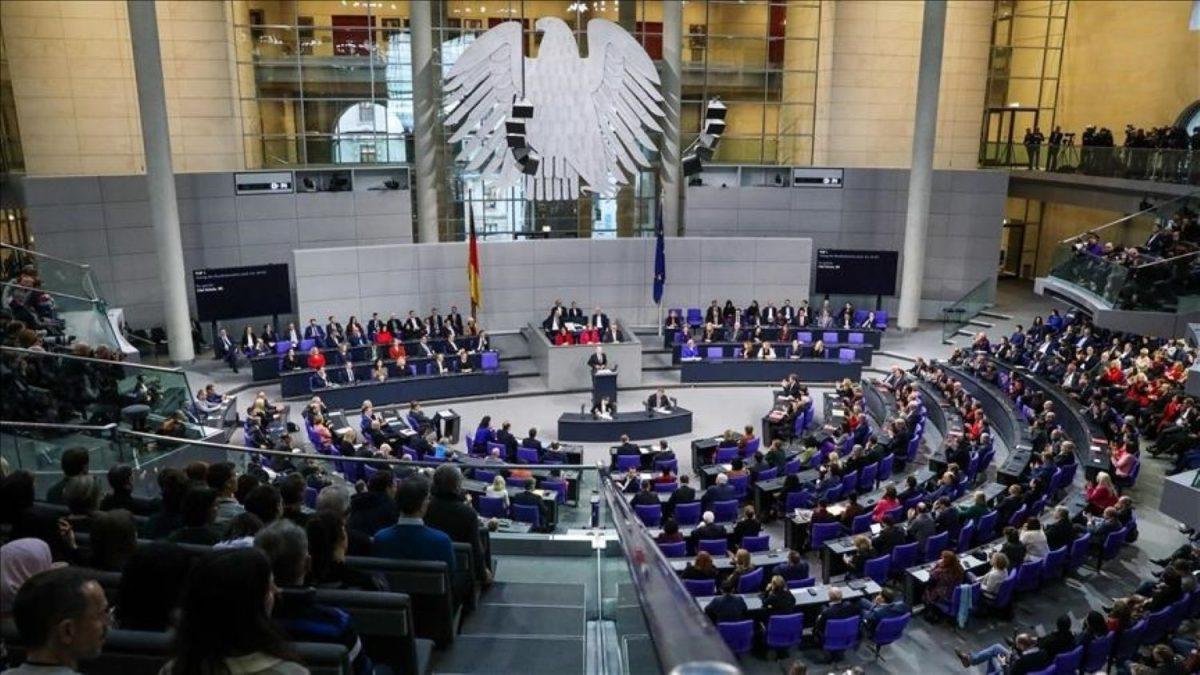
(590, 114)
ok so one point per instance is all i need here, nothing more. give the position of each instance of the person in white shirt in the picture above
(1034, 539)
(990, 583)
(498, 489)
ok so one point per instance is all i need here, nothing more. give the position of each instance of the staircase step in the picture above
(511, 654)
(524, 620)
(981, 324)
(995, 315)
(964, 333)
(527, 593)
(898, 357)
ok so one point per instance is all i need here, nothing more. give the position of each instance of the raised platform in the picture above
(421, 388)
(639, 426)
(742, 370)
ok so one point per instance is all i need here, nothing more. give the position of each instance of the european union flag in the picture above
(660, 259)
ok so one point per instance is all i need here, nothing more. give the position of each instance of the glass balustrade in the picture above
(1157, 164)
(51, 387)
(56, 274)
(62, 318)
(956, 316)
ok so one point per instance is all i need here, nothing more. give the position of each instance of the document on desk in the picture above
(664, 411)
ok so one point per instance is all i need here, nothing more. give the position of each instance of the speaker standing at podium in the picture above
(604, 380)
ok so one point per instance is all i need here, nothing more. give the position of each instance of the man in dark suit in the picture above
(658, 399)
(1007, 506)
(946, 518)
(598, 361)
(787, 313)
(646, 497)
(531, 441)
(374, 325)
(708, 529)
(314, 332)
(225, 349)
(395, 326)
(454, 320)
(345, 374)
(449, 512)
(575, 313)
(413, 327)
(728, 606)
(794, 569)
(769, 314)
(836, 609)
(319, 380)
(334, 334)
(627, 448)
(599, 319)
(1060, 532)
(684, 494)
(505, 436)
(528, 498)
(1023, 658)
(888, 538)
(721, 491)
(885, 605)
(435, 324)
(423, 348)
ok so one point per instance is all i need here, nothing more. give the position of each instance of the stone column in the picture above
(672, 172)
(425, 106)
(920, 176)
(160, 177)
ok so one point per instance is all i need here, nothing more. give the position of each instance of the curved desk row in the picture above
(420, 388)
(880, 402)
(807, 334)
(267, 367)
(295, 383)
(809, 370)
(1009, 424)
(783, 350)
(639, 426)
(1092, 458)
(944, 417)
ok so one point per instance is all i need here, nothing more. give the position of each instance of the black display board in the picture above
(852, 272)
(240, 292)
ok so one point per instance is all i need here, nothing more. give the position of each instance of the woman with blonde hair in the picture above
(498, 489)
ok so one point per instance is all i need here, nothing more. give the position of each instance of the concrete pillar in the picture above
(672, 171)
(920, 176)
(160, 177)
(425, 104)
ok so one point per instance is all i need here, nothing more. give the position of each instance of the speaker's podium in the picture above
(604, 385)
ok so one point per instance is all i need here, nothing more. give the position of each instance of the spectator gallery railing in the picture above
(63, 318)
(56, 274)
(1157, 164)
(957, 315)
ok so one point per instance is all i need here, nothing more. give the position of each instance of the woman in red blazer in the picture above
(563, 337)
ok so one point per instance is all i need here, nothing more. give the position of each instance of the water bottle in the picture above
(595, 509)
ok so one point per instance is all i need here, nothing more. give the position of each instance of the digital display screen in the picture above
(239, 292)
(851, 272)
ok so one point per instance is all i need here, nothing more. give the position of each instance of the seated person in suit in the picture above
(647, 496)
(290, 361)
(627, 448)
(504, 435)
(684, 494)
(708, 529)
(868, 322)
(440, 367)
(342, 355)
(314, 332)
(531, 441)
(528, 497)
(611, 334)
(721, 491)
(689, 350)
(885, 605)
(402, 369)
(462, 361)
(604, 408)
(319, 379)
(728, 606)
(345, 374)
(482, 343)
(424, 348)
(836, 609)
(794, 569)
(659, 399)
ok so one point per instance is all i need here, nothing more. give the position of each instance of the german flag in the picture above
(473, 279)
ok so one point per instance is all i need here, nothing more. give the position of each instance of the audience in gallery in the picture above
(730, 323)
(1131, 386)
(1150, 276)
(1165, 153)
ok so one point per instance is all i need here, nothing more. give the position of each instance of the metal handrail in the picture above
(1131, 216)
(39, 254)
(13, 284)
(275, 453)
(60, 355)
(1167, 260)
(685, 641)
